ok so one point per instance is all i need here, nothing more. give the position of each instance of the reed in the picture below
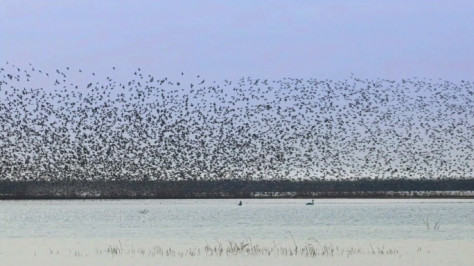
(143, 211)
(312, 249)
(435, 226)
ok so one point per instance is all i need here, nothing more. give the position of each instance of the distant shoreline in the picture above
(17, 190)
(395, 195)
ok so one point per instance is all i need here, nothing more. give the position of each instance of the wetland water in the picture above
(95, 224)
(223, 219)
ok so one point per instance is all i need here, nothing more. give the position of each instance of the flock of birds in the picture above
(71, 125)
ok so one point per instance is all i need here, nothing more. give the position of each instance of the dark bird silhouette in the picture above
(153, 128)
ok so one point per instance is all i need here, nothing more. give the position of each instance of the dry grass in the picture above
(435, 225)
(312, 248)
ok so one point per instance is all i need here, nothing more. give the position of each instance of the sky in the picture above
(217, 39)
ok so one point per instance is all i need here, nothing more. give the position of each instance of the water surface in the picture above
(264, 219)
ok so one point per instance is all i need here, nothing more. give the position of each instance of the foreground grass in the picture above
(312, 248)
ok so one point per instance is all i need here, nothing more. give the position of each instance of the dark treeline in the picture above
(232, 189)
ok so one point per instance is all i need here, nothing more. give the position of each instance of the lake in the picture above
(193, 223)
(224, 219)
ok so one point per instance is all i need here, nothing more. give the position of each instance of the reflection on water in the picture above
(223, 219)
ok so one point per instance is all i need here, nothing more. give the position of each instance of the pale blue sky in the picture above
(229, 39)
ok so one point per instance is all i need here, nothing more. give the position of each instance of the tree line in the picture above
(128, 189)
